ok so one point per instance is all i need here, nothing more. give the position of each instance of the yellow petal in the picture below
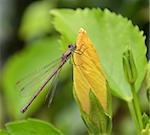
(88, 73)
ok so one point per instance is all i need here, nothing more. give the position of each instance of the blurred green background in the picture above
(26, 30)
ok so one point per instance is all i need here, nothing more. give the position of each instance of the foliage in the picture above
(109, 32)
(39, 23)
(30, 126)
(30, 59)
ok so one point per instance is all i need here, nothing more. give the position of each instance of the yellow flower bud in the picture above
(90, 87)
(88, 73)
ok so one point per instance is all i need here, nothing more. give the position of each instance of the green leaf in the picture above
(32, 58)
(110, 34)
(36, 20)
(97, 115)
(32, 127)
(3, 132)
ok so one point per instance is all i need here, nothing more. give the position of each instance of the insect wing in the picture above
(31, 83)
(50, 95)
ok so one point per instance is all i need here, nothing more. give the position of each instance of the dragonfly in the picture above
(64, 58)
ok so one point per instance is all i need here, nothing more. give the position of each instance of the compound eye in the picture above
(69, 46)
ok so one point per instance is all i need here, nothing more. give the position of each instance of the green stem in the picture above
(133, 114)
(137, 107)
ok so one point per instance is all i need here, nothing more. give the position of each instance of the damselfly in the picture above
(64, 58)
